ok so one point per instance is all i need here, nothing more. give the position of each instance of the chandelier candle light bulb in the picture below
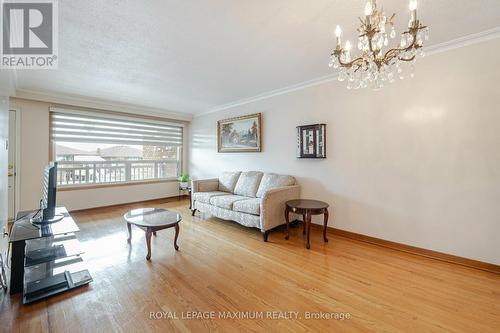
(368, 11)
(413, 9)
(338, 32)
(374, 64)
(348, 51)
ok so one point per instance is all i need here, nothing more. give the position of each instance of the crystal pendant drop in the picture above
(426, 34)
(390, 77)
(380, 43)
(393, 33)
(400, 73)
(342, 76)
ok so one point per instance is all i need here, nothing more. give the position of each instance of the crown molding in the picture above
(93, 103)
(430, 50)
(464, 41)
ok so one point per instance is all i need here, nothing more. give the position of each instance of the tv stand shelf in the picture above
(46, 259)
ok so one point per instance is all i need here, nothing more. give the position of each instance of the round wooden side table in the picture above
(306, 208)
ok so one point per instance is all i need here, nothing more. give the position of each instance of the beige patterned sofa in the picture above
(252, 198)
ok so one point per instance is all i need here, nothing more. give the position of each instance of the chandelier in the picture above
(375, 66)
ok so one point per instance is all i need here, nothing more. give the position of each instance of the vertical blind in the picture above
(73, 127)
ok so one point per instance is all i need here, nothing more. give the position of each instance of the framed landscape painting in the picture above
(240, 134)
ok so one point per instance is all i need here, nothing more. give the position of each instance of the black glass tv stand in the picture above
(40, 220)
(46, 259)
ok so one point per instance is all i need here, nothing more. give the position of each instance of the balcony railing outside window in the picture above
(70, 173)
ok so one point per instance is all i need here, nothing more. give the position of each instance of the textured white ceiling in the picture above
(192, 55)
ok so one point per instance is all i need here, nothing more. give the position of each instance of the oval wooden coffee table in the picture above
(152, 220)
(306, 208)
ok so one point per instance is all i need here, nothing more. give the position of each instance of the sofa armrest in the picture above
(205, 185)
(272, 206)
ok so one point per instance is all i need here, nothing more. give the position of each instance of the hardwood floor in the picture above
(225, 268)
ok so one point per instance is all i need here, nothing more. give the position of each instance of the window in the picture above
(106, 150)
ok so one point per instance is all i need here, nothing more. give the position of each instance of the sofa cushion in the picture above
(226, 201)
(272, 180)
(248, 183)
(205, 196)
(249, 206)
(227, 181)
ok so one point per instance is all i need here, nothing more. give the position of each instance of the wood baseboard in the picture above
(484, 266)
(152, 201)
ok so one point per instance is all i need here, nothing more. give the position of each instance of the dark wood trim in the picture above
(152, 201)
(471, 263)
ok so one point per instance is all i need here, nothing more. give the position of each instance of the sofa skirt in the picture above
(247, 220)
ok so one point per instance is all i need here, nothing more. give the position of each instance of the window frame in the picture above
(127, 117)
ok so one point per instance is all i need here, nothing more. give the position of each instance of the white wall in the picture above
(35, 156)
(417, 162)
(105, 196)
(4, 135)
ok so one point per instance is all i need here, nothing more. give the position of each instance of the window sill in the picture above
(65, 188)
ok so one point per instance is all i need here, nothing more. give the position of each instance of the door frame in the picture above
(17, 194)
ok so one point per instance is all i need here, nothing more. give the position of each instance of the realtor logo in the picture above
(29, 34)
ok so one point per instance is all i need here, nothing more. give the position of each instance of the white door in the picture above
(12, 164)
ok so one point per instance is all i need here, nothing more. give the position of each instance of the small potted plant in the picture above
(184, 181)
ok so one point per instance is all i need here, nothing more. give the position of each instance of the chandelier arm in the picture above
(348, 64)
(358, 68)
(399, 50)
(407, 59)
(388, 59)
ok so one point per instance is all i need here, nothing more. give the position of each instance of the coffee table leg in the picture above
(129, 227)
(287, 218)
(324, 226)
(304, 224)
(149, 232)
(308, 230)
(176, 235)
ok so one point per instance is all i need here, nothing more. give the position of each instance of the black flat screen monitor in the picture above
(48, 201)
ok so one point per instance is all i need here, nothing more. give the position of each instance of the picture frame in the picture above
(311, 141)
(240, 134)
